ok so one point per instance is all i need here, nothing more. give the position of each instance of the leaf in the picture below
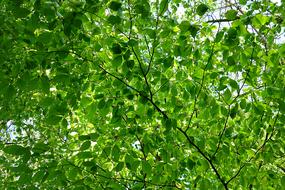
(16, 150)
(190, 164)
(202, 9)
(45, 177)
(163, 7)
(115, 6)
(20, 12)
(281, 50)
(168, 62)
(184, 26)
(194, 30)
(204, 184)
(41, 147)
(151, 33)
(231, 37)
(45, 84)
(243, 2)
(146, 167)
(231, 14)
(38, 176)
(262, 19)
(132, 43)
(116, 153)
(219, 36)
(168, 124)
(233, 84)
(119, 166)
(101, 104)
(243, 104)
(283, 181)
(117, 61)
(114, 20)
(116, 48)
(85, 145)
(130, 64)
(84, 155)
(282, 106)
(84, 137)
(227, 95)
(129, 162)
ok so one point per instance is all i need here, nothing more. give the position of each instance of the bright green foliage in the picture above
(231, 14)
(133, 94)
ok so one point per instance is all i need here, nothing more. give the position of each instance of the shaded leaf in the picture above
(202, 9)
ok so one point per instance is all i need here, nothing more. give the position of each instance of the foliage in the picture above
(138, 94)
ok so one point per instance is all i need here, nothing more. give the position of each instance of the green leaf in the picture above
(168, 62)
(168, 124)
(231, 14)
(129, 162)
(16, 150)
(281, 50)
(227, 95)
(190, 164)
(101, 104)
(117, 61)
(116, 48)
(193, 30)
(282, 106)
(114, 20)
(20, 12)
(130, 64)
(84, 155)
(260, 19)
(132, 43)
(146, 167)
(38, 176)
(184, 26)
(283, 181)
(219, 36)
(116, 153)
(45, 84)
(41, 147)
(115, 6)
(202, 9)
(151, 33)
(163, 7)
(85, 145)
(84, 137)
(119, 166)
(243, 104)
(233, 84)
(243, 2)
(204, 184)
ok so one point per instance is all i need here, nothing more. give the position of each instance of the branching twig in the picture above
(257, 151)
(222, 133)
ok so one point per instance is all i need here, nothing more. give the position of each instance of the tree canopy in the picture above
(142, 94)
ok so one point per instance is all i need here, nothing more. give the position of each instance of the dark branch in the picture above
(222, 20)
